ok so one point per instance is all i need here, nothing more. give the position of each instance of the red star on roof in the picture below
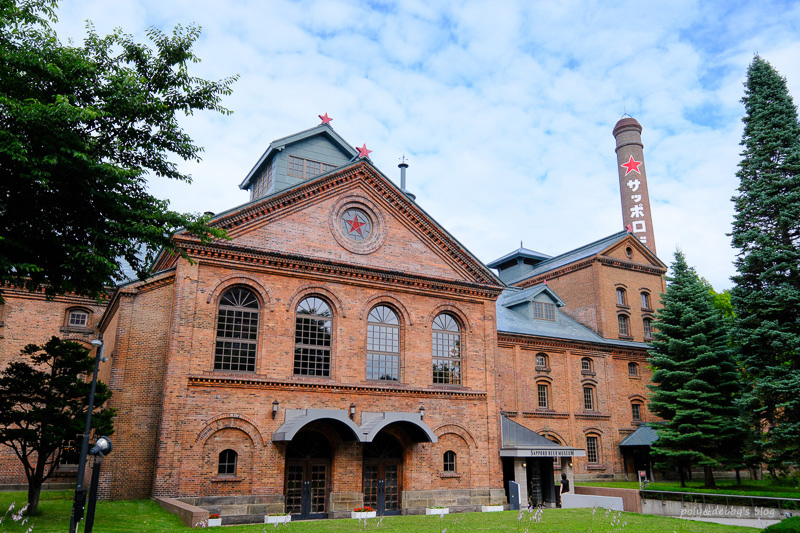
(363, 152)
(631, 165)
(355, 224)
(325, 118)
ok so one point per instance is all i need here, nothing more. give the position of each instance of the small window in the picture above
(544, 311)
(70, 453)
(588, 398)
(646, 301)
(306, 168)
(541, 360)
(624, 328)
(592, 449)
(78, 319)
(542, 392)
(313, 335)
(587, 365)
(446, 350)
(449, 463)
(227, 463)
(633, 370)
(648, 328)
(636, 411)
(621, 297)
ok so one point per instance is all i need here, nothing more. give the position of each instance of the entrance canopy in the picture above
(417, 430)
(297, 419)
(643, 436)
(519, 441)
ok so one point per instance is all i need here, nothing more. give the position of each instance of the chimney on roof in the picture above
(633, 181)
(403, 166)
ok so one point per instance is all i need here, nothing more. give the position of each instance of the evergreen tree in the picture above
(694, 377)
(766, 295)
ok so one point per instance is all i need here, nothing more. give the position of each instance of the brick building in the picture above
(342, 348)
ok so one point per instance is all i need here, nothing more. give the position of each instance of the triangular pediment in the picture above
(629, 249)
(314, 220)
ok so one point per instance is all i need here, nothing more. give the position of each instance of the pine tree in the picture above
(695, 381)
(766, 295)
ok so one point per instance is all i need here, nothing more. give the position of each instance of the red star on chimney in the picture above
(363, 152)
(631, 165)
(325, 118)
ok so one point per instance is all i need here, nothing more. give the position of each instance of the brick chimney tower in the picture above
(633, 182)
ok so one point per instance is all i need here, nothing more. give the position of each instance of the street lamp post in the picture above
(79, 502)
(101, 447)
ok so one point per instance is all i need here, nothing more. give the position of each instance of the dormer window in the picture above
(306, 168)
(544, 311)
(78, 319)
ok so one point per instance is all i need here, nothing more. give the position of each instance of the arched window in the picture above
(648, 328)
(543, 395)
(312, 338)
(383, 344)
(593, 449)
(636, 411)
(588, 398)
(646, 300)
(449, 461)
(622, 298)
(227, 463)
(633, 369)
(541, 360)
(77, 318)
(237, 331)
(446, 350)
(624, 328)
(587, 365)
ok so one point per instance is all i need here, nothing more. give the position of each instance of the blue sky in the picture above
(504, 109)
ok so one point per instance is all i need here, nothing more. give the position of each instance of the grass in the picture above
(146, 515)
(761, 487)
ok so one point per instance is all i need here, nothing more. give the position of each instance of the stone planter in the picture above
(441, 511)
(214, 522)
(278, 519)
(363, 514)
(491, 508)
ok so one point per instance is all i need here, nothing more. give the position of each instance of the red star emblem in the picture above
(631, 165)
(355, 224)
(325, 118)
(363, 152)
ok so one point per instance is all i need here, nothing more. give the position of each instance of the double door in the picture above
(382, 482)
(307, 488)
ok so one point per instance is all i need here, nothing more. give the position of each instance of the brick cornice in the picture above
(581, 348)
(544, 414)
(557, 272)
(39, 294)
(254, 382)
(601, 259)
(592, 416)
(230, 255)
(629, 265)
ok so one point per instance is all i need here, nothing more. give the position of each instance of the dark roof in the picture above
(522, 252)
(643, 436)
(573, 256)
(528, 294)
(563, 327)
(516, 435)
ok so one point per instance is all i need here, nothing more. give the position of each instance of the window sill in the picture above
(597, 467)
(543, 369)
(449, 475)
(626, 337)
(587, 373)
(650, 338)
(637, 422)
(73, 329)
(635, 377)
(647, 310)
(621, 306)
(223, 479)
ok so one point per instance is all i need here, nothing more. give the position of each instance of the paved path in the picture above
(744, 522)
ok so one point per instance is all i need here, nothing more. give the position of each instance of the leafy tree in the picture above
(81, 129)
(766, 230)
(694, 377)
(43, 404)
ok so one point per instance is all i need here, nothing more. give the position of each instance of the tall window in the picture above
(78, 319)
(449, 461)
(541, 360)
(633, 369)
(312, 338)
(648, 328)
(636, 411)
(383, 344)
(446, 350)
(623, 322)
(544, 311)
(227, 463)
(592, 449)
(587, 365)
(237, 331)
(621, 297)
(588, 398)
(543, 395)
(645, 301)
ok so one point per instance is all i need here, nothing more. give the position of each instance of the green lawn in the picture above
(761, 487)
(148, 516)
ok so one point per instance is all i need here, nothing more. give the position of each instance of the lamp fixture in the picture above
(102, 446)
(275, 408)
(421, 411)
(352, 410)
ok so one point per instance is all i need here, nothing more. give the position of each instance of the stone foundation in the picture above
(239, 509)
(457, 500)
(340, 504)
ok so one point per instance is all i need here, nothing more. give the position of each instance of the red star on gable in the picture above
(363, 152)
(355, 225)
(631, 165)
(325, 118)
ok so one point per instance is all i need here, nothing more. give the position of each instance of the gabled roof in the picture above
(528, 295)
(280, 144)
(516, 435)
(563, 327)
(643, 436)
(521, 252)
